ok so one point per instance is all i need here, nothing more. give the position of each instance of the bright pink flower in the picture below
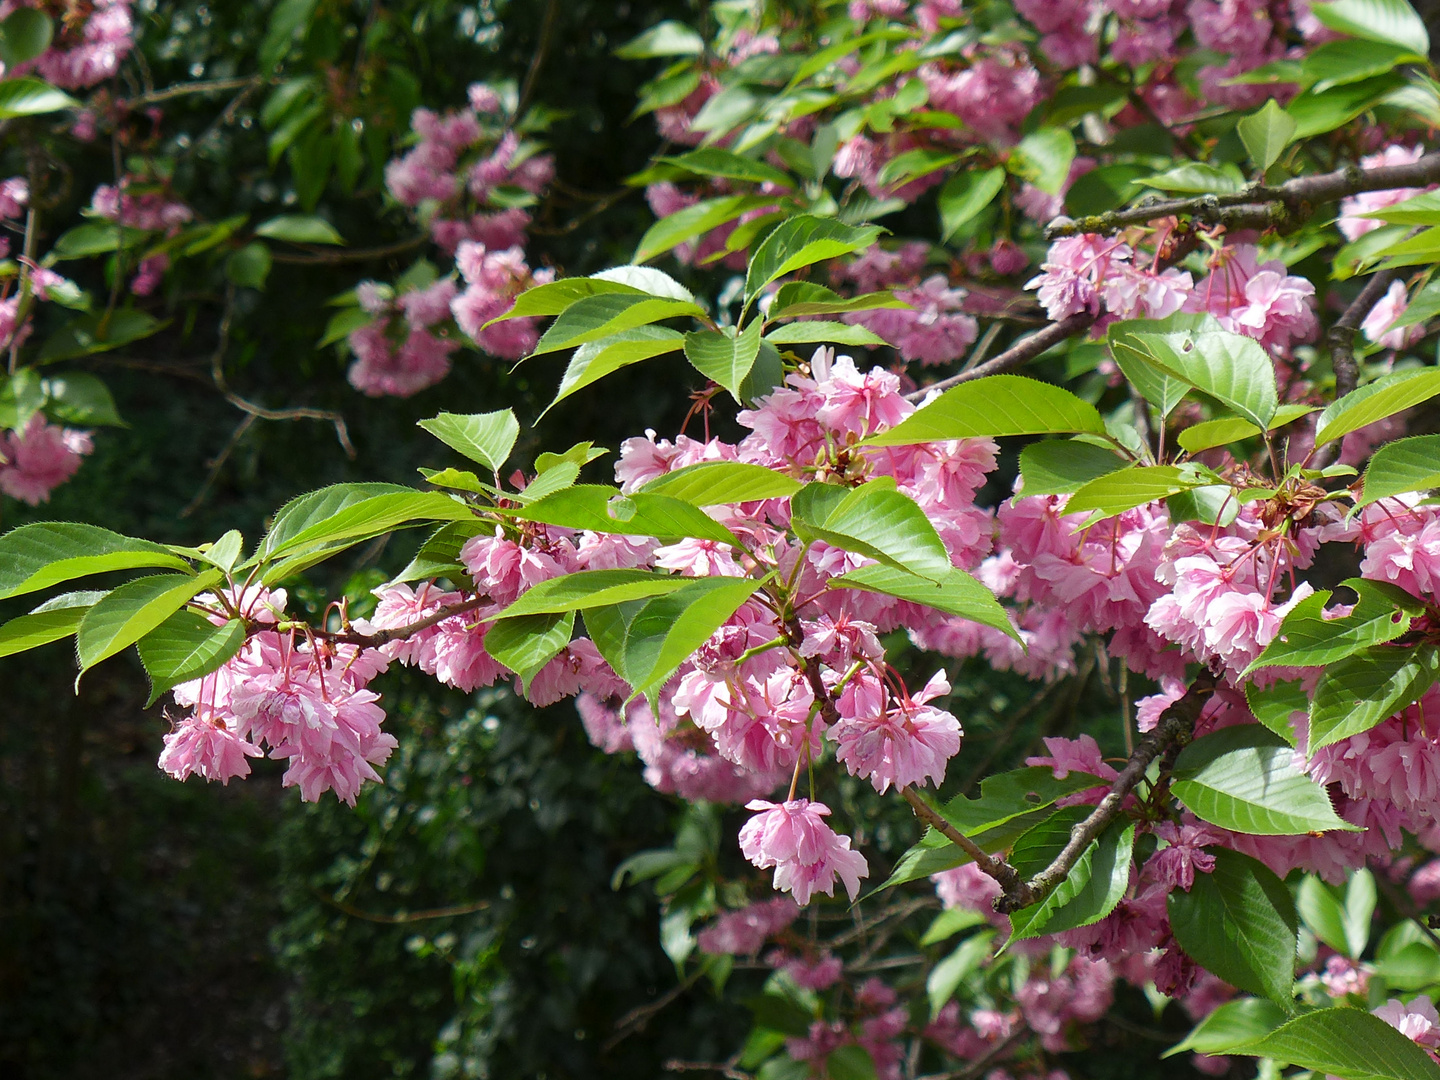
(202, 746)
(806, 853)
(1417, 1021)
(1175, 865)
(1386, 310)
(37, 460)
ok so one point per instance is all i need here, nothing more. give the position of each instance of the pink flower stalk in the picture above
(37, 460)
(806, 853)
(906, 744)
(1257, 299)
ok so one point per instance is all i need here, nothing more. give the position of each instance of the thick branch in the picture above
(1019, 354)
(1176, 723)
(1259, 205)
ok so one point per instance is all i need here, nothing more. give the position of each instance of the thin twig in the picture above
(636, 1019)
(726, 1069)
(347, 255)
(401, 918)
(218, 463)
(1176, 724)
(996, 867)
(396, 633)
(1022, 352)
(980, 1064)
(212, 86)
(542, 48)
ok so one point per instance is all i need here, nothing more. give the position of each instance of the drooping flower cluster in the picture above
(39, 458)
(88, 45)
(402, 352)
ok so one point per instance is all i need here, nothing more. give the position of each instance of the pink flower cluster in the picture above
(934, 328)
(402, 351)
(492, 281)
(39, 458)
(86, 49)
(138, 205)
(306, 701)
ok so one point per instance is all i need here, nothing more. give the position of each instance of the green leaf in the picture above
(713, 161)
(374, 517)
(1060, 466)
(37, 556)
(1393, 22)
(439, 555)
(1244, 779)
(556, 478)
(95, 334)
(1339, 919)
(605, 314)
(343, 323)
(594, 360)
(50, 622)
(913, 164)
(966, 194)
(128, 613)
(1307, 638)
(668, 38)
(957, 593)
(1009, 805)
(1232, 1024)
(724, 356)
(712, 483)
(591, 588)
(645, 641)
(1345, 1042)
(95, 238)
(1277, 704)
(249, 266)
(1231, 429)
(526, 643)
(823, 330)
(24, 34)
(1412, 967)
(484, 437)
(1368, 687)
(1316, 113)
(946, 976)
(1239, 923)
(1044, 158)
(806, 298)
(1126, 489)
(80, 398)
(299, 229)
(1233, 369)
(1095, 884)
(554, 297)
(288, 22)
(1137, 358)
(605, 510)
(999, 405)
(1266, 134)
(875, 520)
(949, 923)
(224, 553)
(1422, 209)
(1402, 466)
(852, 1062)
(22, 395)
(31, 97)
(1197, 178)
(187, 646)
(1384, 397)
(800, 242)
(312, 508)
(646, 279)
(690, 222)
(1338, 63)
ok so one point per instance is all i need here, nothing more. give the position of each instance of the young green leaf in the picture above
(1044, 158)
(128, 613)
(299, 229)
(800, 242)
(372, 517)
(711, 483)
(554, 297)
(824, 330)
(957, 593)
(873, 520)
(1341, 919)
(484, 437)
(50, 622)
(1243, 778)
(28, 96)
(1400, 467)
(47, 553)
(1060, 466)
(594, 360)
(1233, 369)
(606, 314)
(1239, 923)
(1339, 63)
(1233, 1024)
(1266, 134)
(605, 510)
(1390, 21)
(305, 511)
(796, 298)
(1126, 489)
(1308, 639)
(999, 405)
(724, 356)
(591, 588)
(713, 161)
(686, 224)
(1384, 397)
(1095, 884)
(966, 194)
(186, 646)
(946, 976)
(1276, 705)
(1231, 429)
(526, 643)
(1367, 687)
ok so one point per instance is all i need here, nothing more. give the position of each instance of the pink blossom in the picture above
(742, 932)
(1354, 226)
(14, 197)
(37, 460)
(1342, 977)
(1417, 1021)
(806, 853)
(967, 887)
(149, 274)
(1386, 310)
(1175, 865)
(903, 745)
(202, 746)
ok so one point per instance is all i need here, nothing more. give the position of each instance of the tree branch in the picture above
(1341, 336)
(1175, 725)
(1019, 354)
(396, 633)
(1259, 205)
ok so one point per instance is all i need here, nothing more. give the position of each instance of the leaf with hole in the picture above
(1308, 638)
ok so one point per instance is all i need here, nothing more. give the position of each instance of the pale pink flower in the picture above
(201, 746)
(37, 460)
(1354, 226)
(1417, 1021)
(903, 745)
(1386, 310)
